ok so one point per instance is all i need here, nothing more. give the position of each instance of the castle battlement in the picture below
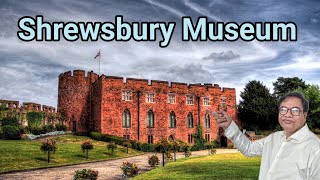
(144, 82)
(27, 106)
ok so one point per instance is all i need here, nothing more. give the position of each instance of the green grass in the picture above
(24, 154)
(221, 166)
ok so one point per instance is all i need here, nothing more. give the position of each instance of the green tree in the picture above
(285, 85)
(312, 94)
(257, 107)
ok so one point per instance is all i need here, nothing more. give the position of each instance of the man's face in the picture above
(292, 123)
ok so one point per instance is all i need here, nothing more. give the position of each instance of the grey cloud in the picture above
(189, 73)
(222, 56)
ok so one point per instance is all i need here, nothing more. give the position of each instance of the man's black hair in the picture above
(305, 103)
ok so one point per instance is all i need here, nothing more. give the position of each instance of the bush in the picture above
(112, 146)
(107, 138)
(48, 128)
(168, 156)
(134, 144)
(153, 160)
(10, 121)
(61, 127)
(36, 130)
(85, 174)
(230, 146)
(95, 135)
(11, 132)
(216, 144)
(145, 147)
(24, 130)
(129, 169)
(1, 133)
(86, 145)
(49, 145)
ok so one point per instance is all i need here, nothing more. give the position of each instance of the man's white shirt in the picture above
(297, 157)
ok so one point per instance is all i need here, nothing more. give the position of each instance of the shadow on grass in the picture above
(41, 158)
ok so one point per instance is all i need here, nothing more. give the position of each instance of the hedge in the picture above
(11, 132)
(107, 138)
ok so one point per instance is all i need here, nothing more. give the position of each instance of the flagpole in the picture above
(99, 59)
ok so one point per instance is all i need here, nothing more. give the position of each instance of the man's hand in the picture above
(222, 118)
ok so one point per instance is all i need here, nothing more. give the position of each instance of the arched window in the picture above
(207, 121)
(190, 120)
(126, 119)
(172, 120)
(150, 119)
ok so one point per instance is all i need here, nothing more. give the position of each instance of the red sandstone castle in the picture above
(142, 110)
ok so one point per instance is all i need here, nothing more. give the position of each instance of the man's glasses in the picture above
(294, 111)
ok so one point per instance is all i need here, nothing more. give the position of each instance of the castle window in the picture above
(207, 121)
(223, 104)
(189, 99)
(207, 137)
(172, 120)
(171, 98)
(126, 95)
(206, 101)
(126, 137)
(150, 139)
(150, 97)
(190, 140)
(126, 119)
(190, 120)
(150, 119)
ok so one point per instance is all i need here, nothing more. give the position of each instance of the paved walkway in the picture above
(109, 169)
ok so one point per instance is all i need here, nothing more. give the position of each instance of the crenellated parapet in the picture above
(9, 104)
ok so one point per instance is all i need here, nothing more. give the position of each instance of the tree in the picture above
(312, 94)
(285, 85)
(257, 108)
(49, 146)
(86, 146)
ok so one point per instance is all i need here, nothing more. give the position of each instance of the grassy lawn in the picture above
(221, 166)
(24, 154)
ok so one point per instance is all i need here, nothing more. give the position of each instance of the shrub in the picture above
(168, 156)
(112, 146)
(11, 132)
(86, 146)
(48, 146)
(48, 128)
(85, 174)
(95, 135)
(134, 144)
(61, 127)
(36, 130)
(153, 160)
(1, 133)
(24, 130)
(145, 147)
(106, 138)
(129, 169)
(10, 121)
(230, 146)
(216, 144)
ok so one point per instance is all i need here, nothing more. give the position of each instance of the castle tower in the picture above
(74, 99)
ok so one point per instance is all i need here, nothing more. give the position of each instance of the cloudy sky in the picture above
(29, 70)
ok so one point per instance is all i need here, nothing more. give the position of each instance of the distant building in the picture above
(20, 112)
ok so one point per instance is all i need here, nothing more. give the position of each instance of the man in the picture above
(293, 153)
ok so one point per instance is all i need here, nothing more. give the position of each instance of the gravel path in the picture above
(107, 169)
